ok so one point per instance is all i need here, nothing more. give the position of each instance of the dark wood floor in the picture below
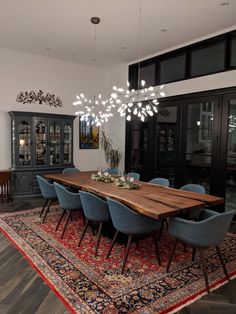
(22, 291)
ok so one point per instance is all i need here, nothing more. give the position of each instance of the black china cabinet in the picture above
(41, 143)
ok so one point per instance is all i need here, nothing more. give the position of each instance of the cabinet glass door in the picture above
(40, 143)
(199, 148)
(67, 146)
(138, 147)
(230, 159)
(54, 142)
(24, 143)
(165, 148)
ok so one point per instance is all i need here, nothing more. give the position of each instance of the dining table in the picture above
(152, 200)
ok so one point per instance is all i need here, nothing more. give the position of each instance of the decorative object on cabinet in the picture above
(41, 143)
(88, 136)
(112, 155)
(33, 97)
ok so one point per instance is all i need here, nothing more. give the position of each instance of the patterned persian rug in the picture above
(94, 285)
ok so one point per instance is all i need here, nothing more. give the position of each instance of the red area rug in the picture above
(94, 285)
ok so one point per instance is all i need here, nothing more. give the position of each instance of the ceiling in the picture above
(61, 28)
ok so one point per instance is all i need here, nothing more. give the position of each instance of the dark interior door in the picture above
(167, 140)
(200, 141)
(227, 184)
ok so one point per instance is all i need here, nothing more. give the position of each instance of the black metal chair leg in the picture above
(172, 255)
(93, 229)
(164, 221)
(112, 243)
(42, 210)
(83, 232)
(47, 210)
(62, 215)
(84, 222)
(161, 229)
(67, 220)
(99, 237)
(157, 249)
(204, 268)
(126, 253)
(222, 262)
(193, 253)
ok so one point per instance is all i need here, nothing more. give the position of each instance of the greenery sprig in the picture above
(104, 177)
(126, 183)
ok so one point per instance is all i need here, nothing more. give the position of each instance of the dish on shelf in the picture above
(39, 151)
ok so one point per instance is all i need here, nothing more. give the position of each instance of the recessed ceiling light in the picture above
(223, 4)
(47, 49)
(164, 30)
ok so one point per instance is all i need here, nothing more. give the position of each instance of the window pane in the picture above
(172, 69)
(233, 52)
(199, 143)
(147, 73)
(208, 60)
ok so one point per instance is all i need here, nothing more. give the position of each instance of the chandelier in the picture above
(142, 102)
(96, 110)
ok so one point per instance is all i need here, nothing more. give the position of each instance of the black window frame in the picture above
(169, 56)
(205, 46)
(187, 50)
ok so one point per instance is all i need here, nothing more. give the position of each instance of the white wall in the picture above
(25, 72)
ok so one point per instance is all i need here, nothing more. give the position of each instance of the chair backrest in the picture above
(160, 181)
(70, 170)
(47, 189)
(94, 207)
(209, 231)
(66, 198)
(194, 188)
(128, 221)
(112, 171)
(134, 175)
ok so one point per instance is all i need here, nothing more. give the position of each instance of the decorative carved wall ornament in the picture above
(31, 98)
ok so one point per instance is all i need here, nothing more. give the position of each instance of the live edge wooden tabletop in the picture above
(151, 200)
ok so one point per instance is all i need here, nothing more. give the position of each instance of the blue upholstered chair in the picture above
(160, 181)
(114, 171)
(48, 193)
(70, 170)
(133, 224)
(95, 210)
(194, 188)
(68, 201)
(209, 230)
(134, 175)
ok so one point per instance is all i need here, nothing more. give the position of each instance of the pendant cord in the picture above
(95, 59)
(139, 40)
